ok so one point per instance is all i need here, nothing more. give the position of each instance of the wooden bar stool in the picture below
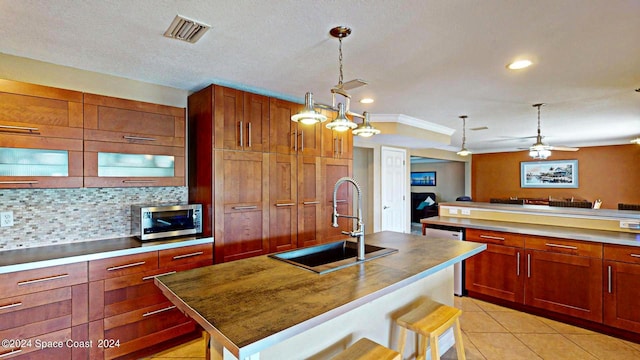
(365, 349)
(431, 320)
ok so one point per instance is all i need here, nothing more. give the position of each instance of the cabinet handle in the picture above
(335, 146)
(340, 201)
(492, 237)
(138, 138)
(241, 133)
(518, 265)
(155, 276)
(249, 134)
(55, 277)
(562, 246)
(341, 147)
(19, 182)
(158, 311)
(12, 352)
(188, 255)
(120, 267)
(252, 207)
(285, 204)
(635, 255)
(19, 128)
(9, 306)
(139, 181)
(310, 202)
(301, 140)
(609, 287)
(295, 140)
(529, 265)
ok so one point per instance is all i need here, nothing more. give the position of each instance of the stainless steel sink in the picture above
(330, 257)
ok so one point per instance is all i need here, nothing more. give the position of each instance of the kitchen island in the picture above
(263, 308)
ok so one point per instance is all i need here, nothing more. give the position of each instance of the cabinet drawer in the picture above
(495, 237)
(34, 314)
(185, 255)
(562, 246)
(29, 350)
(122, 265)
(30, 281)
(630, 254)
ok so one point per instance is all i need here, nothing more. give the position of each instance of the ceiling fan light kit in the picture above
(463, 151)
(310, 116)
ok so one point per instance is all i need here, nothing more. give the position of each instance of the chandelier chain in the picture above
(340, 61)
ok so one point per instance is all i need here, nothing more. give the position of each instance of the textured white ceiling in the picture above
(428, 59)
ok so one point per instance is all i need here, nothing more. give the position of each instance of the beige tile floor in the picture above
(492, 332)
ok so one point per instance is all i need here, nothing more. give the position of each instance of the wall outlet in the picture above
(466, 211)
(6, 218)
(453, 211)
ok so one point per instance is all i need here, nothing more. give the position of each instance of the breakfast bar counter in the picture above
(264, 308)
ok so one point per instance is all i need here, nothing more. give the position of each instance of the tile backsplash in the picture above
(54, 216)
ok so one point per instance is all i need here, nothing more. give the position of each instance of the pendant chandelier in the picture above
(463, 151)
(539, 151)
(309, 115)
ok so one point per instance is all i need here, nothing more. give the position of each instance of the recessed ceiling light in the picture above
(366, 101)
(519, 64)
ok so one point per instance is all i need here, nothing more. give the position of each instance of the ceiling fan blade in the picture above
(352, 84)
(564, 148)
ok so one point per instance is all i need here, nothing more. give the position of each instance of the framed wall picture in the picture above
(423, 178)
(549, 174)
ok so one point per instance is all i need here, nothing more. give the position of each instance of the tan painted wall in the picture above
(609, 173)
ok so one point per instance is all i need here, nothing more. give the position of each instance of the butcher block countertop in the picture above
(249, 305)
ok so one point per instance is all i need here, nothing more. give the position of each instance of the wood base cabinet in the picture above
(46, 305)
(128, 313)
(558, 275)
(622, 287)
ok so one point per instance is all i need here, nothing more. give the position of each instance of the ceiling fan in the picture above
(541, 151)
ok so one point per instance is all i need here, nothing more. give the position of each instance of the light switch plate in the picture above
(6, 218)
(466, 211)
(453, 211)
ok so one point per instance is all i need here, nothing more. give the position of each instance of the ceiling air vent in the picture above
(186, 29)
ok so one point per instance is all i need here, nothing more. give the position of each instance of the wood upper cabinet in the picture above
(40, 136)
(497, 271)
(241, 222)
(332, 171)
(241, 120)
(283, 207)
(622, 286)
(288, 137)
(132, 143)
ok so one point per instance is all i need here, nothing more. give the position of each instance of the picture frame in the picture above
(549, 174)
(423, 178)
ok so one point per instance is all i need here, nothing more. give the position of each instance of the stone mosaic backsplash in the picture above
(55, 216)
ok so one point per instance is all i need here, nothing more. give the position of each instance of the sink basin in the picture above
(330, 257)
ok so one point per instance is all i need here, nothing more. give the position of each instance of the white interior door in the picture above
(393, 185)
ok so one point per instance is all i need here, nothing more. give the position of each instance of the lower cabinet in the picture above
(558, 275)
(45, 309)
(128, 313)
(622, 287)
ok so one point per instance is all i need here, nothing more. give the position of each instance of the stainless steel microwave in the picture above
(161, 221)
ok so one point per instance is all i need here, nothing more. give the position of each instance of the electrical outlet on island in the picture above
(6, 218)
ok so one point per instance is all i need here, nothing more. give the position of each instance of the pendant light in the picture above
(539, 151)
(308, 115)
(463, 151)
(341, 123)
(365, 129)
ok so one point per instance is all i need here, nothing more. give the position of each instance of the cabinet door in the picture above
(497, 272)
(283, 135)
(256, 122)
(332, 171)
(283, 209)
(40, 136)
(309, 139)
(621, 294)
(310, 220)
(336, 144)
(563, 283)
(228, 118)
(241, 204)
